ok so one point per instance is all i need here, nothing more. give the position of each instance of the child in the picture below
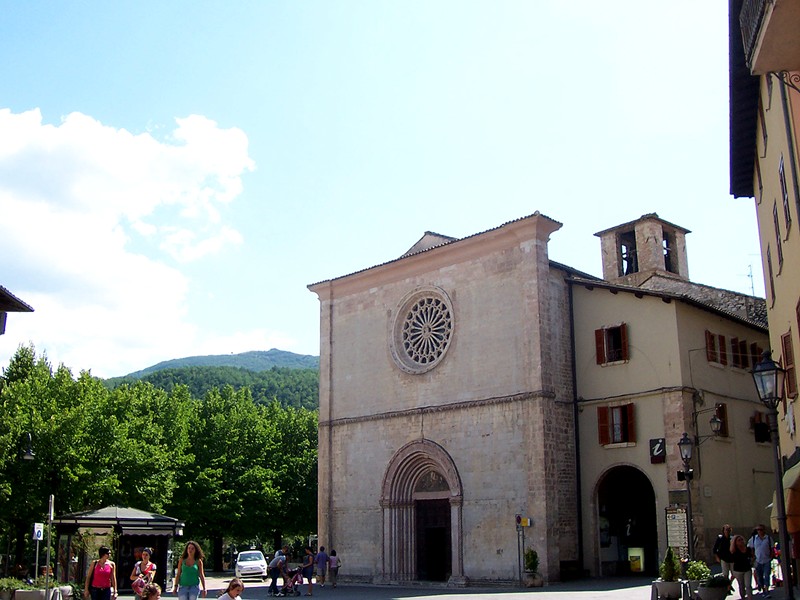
(333, 567)
(151, 591)
(235, 587)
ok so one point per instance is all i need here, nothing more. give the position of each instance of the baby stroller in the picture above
(291, 586)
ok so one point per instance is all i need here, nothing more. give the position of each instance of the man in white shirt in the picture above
(761, 544)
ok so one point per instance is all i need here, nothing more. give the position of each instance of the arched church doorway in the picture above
(421, 502)
(627, 523)
(434, 552)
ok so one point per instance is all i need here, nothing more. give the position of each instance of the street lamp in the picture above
(685, 445)
(768, 377)
(29, 455)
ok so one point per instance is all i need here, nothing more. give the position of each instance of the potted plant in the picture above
(669, 585)
(697, 571)
(8, 585)
(715, 587)
(36, 591)
(532, 577)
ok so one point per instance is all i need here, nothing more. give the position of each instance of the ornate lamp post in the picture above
(685, 445)
(768, 377)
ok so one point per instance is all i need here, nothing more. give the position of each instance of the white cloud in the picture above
(91, 216)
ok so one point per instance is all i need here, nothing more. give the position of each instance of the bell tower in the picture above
(635, 251)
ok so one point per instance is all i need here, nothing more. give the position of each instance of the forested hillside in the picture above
(257, 360)
(298, 388)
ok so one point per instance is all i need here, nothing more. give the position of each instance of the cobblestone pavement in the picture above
(589, 589)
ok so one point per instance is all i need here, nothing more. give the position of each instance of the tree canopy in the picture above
(228, 466)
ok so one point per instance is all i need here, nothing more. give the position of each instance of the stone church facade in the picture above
(446, 410)
(451, 401)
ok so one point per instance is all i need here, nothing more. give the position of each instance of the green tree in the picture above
(225, 464)
(93, 447)
(48, 406)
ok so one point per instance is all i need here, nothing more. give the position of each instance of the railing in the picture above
(750, 20)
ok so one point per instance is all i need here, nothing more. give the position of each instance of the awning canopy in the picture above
(131, 521)
(791, 494)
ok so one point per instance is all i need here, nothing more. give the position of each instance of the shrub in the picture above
(670, 568)
(697, 570)
(531, 561)
(9, 584)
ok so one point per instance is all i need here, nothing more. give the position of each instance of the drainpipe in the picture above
(577, 432)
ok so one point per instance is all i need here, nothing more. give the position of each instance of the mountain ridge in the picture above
(253, 360)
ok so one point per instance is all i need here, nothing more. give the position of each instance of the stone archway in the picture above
(626, 519)
(420, 487)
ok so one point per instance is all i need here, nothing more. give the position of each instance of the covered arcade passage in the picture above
(626, 506)
(421, 503)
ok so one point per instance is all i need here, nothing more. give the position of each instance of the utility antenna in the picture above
(750, 275)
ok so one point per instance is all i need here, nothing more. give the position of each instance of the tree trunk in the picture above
(218, 553)
(277, 540)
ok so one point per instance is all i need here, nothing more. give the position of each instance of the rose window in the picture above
(422, 331)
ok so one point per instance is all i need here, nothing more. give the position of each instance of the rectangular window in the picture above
(739, 356)
(788, 364)
(716, 349)
(755, 353)
(721, 411)
(785, 194)
(760, 427)
(778, 240)
(763, 127)
(771, 273)
(611, 344)
(759, 181)
(616, 424)
(769, 91)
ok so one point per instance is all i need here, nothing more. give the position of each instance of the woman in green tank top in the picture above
(190, 573)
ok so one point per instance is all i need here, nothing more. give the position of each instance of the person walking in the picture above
(322, 566)
(722, 550)
(333, 567)
(190, 574)
(143, 573)
(308, 569)
(761, 546)
(101, 582)
(740, 559)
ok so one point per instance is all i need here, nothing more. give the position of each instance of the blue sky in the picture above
(174, 174)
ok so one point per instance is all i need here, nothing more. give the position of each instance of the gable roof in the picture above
(10, 303)
(424, 245)
(748, 310)
(429, 240)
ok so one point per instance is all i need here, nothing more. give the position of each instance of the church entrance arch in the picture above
(627, 520)
(421, 503)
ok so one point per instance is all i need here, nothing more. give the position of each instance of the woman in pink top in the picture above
(101, 581)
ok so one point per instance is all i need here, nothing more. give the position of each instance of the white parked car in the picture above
(251, 563)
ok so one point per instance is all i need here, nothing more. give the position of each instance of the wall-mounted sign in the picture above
(658, 451)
